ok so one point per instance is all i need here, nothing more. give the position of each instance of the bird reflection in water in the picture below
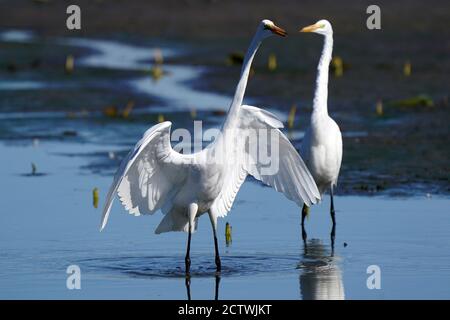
(320, 275)
(216, 291)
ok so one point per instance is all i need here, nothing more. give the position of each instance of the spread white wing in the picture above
(289, 174)
(149, 176)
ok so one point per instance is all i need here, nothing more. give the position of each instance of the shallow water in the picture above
(48, 221)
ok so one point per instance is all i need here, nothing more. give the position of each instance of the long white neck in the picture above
(233, 112)
(321, 94)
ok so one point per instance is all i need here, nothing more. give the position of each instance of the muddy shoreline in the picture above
(212, 19)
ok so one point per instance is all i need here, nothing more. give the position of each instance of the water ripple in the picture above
(201, 266)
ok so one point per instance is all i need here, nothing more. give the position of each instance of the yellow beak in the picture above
(310, 28)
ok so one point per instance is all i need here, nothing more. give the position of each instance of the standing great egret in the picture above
(183, 187)
(322, 145)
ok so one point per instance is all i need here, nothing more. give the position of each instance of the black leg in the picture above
(213, 220)
(333, 231)
(332, 207)
(187, 260)
(188, 286)
(305, 210)
(216, 296)
(333, 219)
(216, 246)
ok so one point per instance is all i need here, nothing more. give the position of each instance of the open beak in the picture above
(310, 28)
(278, 31)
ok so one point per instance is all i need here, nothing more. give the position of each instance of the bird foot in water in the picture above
(304, 234)
(218, 264)
(187, 262)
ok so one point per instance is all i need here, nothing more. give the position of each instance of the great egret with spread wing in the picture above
(155, 177)
(322, 145)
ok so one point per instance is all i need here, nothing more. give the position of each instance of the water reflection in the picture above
(320, 274)
(216, 290)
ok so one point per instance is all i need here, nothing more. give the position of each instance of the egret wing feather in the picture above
(149, 176)
(292, 177)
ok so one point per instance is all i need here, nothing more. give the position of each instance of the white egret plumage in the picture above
(155, 177)
(322, 144)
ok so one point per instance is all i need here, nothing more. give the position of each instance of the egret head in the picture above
(268, 28)
(320, 27)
